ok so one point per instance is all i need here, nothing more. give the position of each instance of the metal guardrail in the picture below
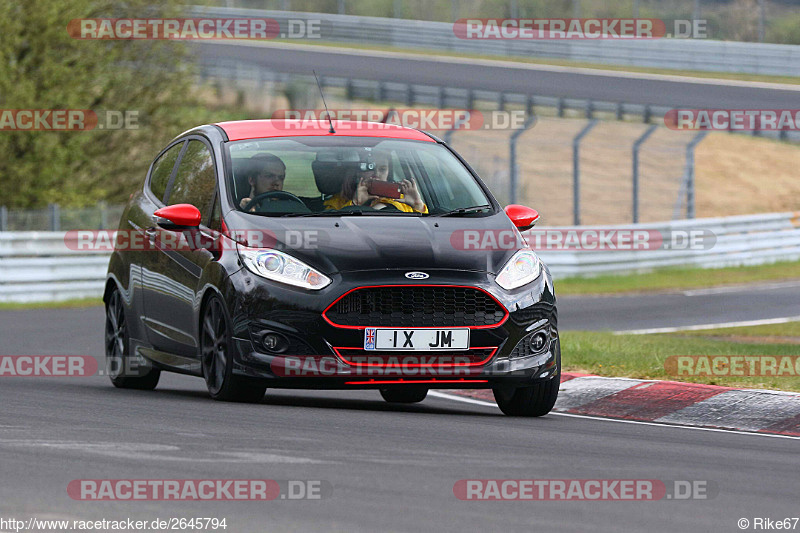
(684, 54)
(39, 266)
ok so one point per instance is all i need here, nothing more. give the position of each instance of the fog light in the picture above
(538, 341)
(274, 342)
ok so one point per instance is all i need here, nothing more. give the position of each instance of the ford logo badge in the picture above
(417, 275)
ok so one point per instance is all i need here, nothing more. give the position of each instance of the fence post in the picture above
(513, 170)
(3, 218)
(103, 215)
(55, 217)
(576, 172)
(636, 145)
(690, 172)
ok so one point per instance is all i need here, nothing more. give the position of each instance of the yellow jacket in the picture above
(338, 201)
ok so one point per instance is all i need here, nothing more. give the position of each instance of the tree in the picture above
(44, 68)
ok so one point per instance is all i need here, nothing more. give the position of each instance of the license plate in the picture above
(416, 339)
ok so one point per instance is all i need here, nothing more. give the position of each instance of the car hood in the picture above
(353, 243)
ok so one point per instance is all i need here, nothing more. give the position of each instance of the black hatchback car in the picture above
(328, 256)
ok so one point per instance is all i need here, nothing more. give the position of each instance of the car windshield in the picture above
(330, 176)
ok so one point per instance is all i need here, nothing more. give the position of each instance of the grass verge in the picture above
(671, 279)
(79, 302)
(644, 356)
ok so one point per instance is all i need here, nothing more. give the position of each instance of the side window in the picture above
(195, 182)
(162, 170)
(216, 216)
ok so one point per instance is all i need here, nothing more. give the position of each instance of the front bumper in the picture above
(315, 353)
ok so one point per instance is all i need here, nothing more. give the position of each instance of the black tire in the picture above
(536, 400)
(404, 395)
(216, 353)
(117, 345)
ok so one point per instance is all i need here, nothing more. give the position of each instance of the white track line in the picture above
(473, 401)
(700, 327)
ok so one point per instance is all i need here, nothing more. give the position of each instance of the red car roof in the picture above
(257, 129)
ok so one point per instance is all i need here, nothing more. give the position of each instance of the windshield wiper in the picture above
(464, 210)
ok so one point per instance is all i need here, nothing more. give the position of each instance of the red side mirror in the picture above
(184, 215)
(523, 217)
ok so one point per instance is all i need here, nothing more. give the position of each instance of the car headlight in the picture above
(523, 267)
(283, 268)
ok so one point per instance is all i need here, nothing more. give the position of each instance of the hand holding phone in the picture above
(384, 189)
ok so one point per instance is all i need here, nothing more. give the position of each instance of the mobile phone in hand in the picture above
(384, 189)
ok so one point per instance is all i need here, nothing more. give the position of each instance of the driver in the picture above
(355, 188)
(265, 173)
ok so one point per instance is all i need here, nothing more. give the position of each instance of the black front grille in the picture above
(416, 306)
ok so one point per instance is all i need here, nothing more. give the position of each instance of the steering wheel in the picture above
(271, 194)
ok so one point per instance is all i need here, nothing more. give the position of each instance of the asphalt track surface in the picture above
(390, 468)
(506, 76)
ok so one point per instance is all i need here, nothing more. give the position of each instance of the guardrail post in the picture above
(620, 113)
(410, 95)
(690, 172)
(646, 114)
(348, 89)
(529, 105)
(381, 91)
(470, 99)
(55, 217)
(560, 108)
(513, 170)
(3, 218)
(501, 101)
(636, 145)
(441, 98)
(576, 172)
(589, 109)
(103, 215)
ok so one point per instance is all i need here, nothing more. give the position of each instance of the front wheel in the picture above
(117, 343)
(534, 400)
(404, 395)
(216, 343)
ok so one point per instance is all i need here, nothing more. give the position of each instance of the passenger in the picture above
(265, 173)
(355, 189)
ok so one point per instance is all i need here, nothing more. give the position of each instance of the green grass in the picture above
(81, 302)
(644, 356)
(670, 279)
(791, 80)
